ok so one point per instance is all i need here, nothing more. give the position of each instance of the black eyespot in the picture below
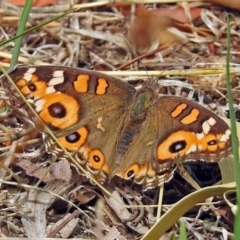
(73, 137)
(96, 158)
(57, 110)
(32, 87)
(177, 146)
(130, 173)
(212, 142)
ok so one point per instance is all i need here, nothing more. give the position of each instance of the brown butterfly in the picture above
(117, 130)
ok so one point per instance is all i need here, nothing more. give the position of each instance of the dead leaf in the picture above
(150, 29)
(61, 170)
(58, 170)
(65, 225)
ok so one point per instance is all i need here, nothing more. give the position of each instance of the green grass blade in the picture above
(183, 232)
(234, 132)
(21, 28)
(19, 34)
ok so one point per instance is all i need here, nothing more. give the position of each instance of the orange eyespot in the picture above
(74, 140)
(211, 142)
(131, 172)
(34, 87)
(96, 159)
(204, 141)
(177, 143)
(37, 89)
(58, 109)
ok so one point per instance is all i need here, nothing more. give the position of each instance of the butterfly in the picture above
(116, 130)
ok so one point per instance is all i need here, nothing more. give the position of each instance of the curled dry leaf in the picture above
(150, 29)
(84, 195)
(58, 170)
(61, 170)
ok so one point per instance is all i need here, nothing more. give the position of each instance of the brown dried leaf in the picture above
(150, 29)
(61, 170)
(58, 170)
(84, 195)
(117, 204)
(64, 226)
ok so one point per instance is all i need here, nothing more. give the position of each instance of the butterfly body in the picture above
(117, 130)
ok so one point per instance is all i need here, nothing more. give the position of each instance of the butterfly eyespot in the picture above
(130, 173)
(57, 110)
(212, 142)
(177, 146)
(74, 137)
(36, 89)
(181, 142)
(32, 87)
(96, 159)
(74, 140)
